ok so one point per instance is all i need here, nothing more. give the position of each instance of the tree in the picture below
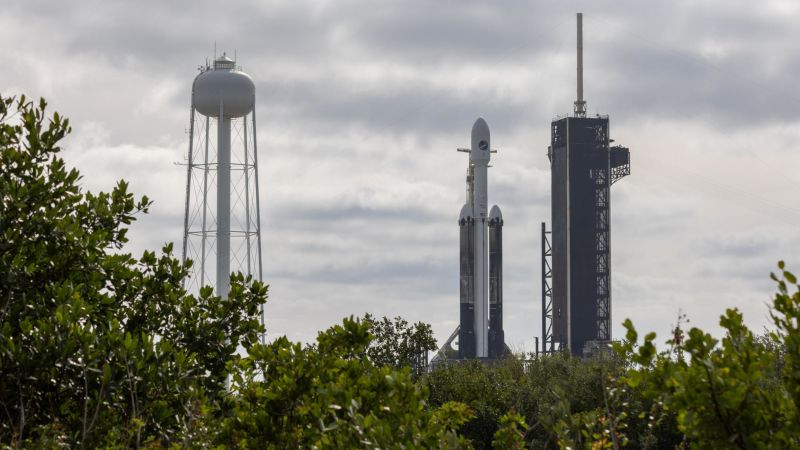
(511, 434)
(97, 346)
(328, 395)
(396, 344)
(564, 402)
(725, 394)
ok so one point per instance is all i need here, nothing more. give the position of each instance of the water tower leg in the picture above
(223, 205)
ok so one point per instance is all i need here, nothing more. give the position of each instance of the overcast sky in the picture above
(361, 105)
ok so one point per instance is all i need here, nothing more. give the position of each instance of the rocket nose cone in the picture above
(480, 141)
(480, 129)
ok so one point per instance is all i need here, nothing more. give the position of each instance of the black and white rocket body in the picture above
(481, 258)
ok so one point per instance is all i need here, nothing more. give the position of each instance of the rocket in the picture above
(481, 268)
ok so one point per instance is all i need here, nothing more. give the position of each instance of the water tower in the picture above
(223, 236)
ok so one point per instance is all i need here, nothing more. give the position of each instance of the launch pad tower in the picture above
(576, 254)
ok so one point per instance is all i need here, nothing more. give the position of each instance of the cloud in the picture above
(361, 106)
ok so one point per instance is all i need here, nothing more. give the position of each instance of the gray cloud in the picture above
(361, 106)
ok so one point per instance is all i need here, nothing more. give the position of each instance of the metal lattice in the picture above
(549, 344)
(602, 260)
(602, 248)
(199, 240)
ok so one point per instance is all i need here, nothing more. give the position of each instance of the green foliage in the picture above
(511, 434)
(328, 395)
(786, 317)
(489, 392)
(564, 402)
(398, 345)
(97, 346)
(728, 393)
(547, 392)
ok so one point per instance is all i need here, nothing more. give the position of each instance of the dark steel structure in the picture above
(548, 343)
(577, 298)
(496, 334)
(583, 167)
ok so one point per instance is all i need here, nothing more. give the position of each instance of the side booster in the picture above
(496, 335)
(481, 258)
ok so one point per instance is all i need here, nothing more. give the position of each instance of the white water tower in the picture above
(223, 236)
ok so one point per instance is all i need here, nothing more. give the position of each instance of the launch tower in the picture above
(576, 282)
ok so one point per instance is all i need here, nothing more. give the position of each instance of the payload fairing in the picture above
(481, 269)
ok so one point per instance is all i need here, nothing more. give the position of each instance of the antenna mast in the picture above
(580, 103)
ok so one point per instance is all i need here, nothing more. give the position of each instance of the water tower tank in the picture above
(226, 87)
